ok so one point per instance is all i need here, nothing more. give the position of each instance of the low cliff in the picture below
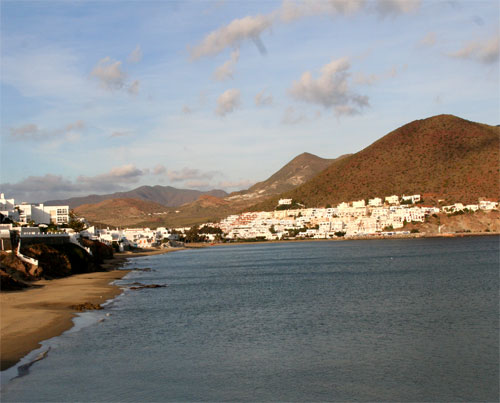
(54, 261)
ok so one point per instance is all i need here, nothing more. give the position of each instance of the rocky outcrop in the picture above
(54, 261)
(99, 250)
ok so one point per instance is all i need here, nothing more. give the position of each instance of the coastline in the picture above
(32, 315)
(362, 238)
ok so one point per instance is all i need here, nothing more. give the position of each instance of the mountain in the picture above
(165, 195)
(297, 172)
(209, 206)
(120, 212)
(440, 157)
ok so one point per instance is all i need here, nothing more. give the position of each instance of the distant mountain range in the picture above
(165, 195)
(207, 206)
(442, 157)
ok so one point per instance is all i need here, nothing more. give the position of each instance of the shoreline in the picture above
(33, 315)
(360, 238)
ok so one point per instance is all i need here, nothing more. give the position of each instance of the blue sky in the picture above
(103, 96)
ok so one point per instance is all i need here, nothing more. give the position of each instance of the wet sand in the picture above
(44, 311)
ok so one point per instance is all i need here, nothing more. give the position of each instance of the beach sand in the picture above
(44, 311)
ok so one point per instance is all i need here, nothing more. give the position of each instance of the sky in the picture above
(105, 96)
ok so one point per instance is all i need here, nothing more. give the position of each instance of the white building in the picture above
(358, 204)
(413, 198)
(41, 214)
(282, 202)
(394, 199)
(488, 205)
(7, 208)
(375, 202)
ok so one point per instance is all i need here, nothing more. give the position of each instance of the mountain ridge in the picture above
(166, 195)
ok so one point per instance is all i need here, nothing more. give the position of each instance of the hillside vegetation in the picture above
(441, 157)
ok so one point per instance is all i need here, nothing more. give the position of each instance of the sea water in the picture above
(380, 320)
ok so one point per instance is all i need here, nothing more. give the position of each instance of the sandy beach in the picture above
(44, 311)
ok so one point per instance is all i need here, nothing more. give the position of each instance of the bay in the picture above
(378, 320)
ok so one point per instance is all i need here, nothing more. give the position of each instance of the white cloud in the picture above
(110, 74)
(135, 56)
(228, 101)
(331, 89)
(190, 174)
(125, 174)
(227, 69)
(159, 170)
(485, 51)
(39, 188)
(252, 27)
(231, 35)
(32, 131)
(262, 99)
(51, 187)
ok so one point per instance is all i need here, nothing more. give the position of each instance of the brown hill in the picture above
(443, 156)
(166, 195)
(121, 212)
(295, 173)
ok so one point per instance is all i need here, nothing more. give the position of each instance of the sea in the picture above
(376, 320)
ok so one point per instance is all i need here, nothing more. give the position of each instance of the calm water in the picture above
(400, 320)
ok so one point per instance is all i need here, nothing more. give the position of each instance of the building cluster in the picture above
(128, 238)
(26, 213)
(356, 218)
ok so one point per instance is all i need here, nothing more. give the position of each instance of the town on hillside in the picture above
(375, 217)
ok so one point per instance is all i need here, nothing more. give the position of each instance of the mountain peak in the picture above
(443, 155)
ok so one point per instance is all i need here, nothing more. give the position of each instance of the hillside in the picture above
(297, 172)
(122, 212)
(441, 157)
(165, 195)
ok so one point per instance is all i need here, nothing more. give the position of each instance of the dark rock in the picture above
(9, 283)
(87, 306)
(146, 269)
(141, 286)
